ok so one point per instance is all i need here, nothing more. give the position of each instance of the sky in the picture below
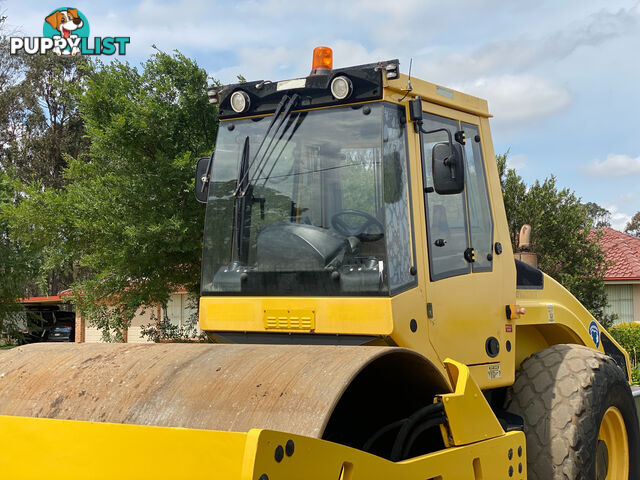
(562, 78)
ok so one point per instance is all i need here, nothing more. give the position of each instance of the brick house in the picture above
(622, 278)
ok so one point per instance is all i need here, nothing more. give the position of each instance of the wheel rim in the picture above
(612, 452)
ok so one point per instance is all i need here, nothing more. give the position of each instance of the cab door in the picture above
(465, 300)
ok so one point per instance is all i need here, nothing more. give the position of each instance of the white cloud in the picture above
(625, 198)
(277, 63)
(614, 165)
(517, 161)
(517, 99)
(517, 54)
(505, 53)
(619, 219)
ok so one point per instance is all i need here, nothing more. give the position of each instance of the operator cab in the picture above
(308, 193)
(310, 208)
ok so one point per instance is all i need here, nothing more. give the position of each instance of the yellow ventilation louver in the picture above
(289, 320)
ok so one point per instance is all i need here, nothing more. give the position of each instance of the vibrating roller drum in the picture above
(341, 393)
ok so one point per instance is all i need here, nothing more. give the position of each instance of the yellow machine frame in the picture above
(455, 329)
(477, 450)
(449, 332)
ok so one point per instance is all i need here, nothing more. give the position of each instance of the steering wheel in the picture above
(338, 223)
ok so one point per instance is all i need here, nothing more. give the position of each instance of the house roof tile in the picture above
(623, 252)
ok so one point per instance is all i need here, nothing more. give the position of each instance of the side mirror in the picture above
(448, 168)
(203, 171)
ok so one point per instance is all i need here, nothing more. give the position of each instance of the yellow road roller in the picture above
(368, 318)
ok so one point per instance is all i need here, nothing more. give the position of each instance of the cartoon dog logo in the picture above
(66, 21)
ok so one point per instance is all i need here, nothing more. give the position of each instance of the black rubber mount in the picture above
(279, 455)
(289, 448)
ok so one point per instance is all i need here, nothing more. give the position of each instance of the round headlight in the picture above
(341, 87)
(239, 101)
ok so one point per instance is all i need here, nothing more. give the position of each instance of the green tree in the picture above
(39, 118)
(39, 126)
(600, 217)
(15, 266)
(13, 263)
(127, 215)
(561, 236)
(633, 227)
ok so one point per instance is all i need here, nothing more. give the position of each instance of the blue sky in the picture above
(562, 78)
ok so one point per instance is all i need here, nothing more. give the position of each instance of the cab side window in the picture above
(458, 222)
(480, 221)
(447, 233)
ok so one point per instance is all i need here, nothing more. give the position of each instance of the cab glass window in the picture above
(447, 234)
(480, 221)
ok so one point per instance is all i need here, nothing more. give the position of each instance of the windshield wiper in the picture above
(299, 121)
(243, 194)
(267, 153)
(243, 207)
(285, 104)
(244, 175)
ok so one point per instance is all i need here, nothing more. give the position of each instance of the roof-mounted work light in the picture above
(341, 87)
(239, 101)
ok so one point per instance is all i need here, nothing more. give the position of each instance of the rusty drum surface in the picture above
(208, 386)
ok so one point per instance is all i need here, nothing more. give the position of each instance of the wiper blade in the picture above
(244, 166)
(243, 176)
(267, 154)
(287, 104)
(299, 121)
(242, 213)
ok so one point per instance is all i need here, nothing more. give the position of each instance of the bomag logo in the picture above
(66, 32)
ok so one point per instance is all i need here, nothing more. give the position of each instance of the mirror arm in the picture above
(424, 132)
(207, 174)
(447, 161)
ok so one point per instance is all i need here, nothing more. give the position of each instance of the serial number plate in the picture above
(494, 371)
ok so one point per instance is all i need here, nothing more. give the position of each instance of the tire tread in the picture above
(556, 395)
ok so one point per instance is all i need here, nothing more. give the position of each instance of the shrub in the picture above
(628, 336)
(635, 374)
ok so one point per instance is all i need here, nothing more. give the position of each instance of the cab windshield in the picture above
(318, 206)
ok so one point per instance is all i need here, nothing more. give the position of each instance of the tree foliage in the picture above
(15, 267)
(600, 217)
(39, 118)
(633, 227)
(127, 216)
(561, 236)
(39, 125)
(14, 264)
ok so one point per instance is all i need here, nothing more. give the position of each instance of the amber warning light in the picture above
(322, 59)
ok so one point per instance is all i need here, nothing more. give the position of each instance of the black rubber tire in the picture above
(562, 393)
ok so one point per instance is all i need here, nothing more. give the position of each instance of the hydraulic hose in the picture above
(419, 416)
(376, 436)
(419, 430)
